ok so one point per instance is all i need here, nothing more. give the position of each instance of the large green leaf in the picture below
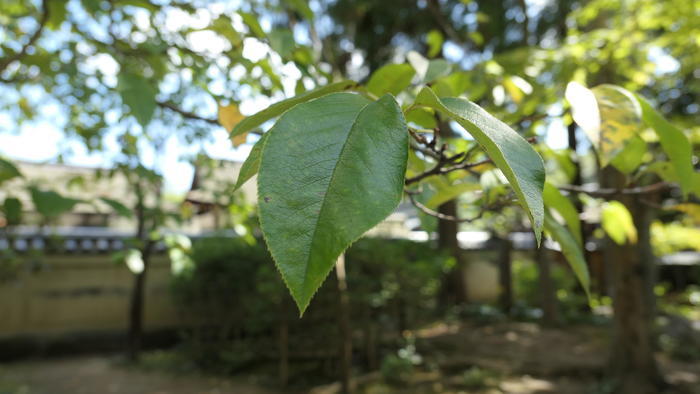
(331, 169)
(555, 200)
(618, 223)
(8, 170)
(279, 108)
(673, 142)
(138, 94)
(251, 165)
(570, 248)
(391, 78)
(51, 204)
(511, 153)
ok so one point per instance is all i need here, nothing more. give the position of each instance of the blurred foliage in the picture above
(572, 304)
(234, 296)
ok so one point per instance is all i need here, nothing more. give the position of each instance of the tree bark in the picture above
(136, 303)
(454, 287)
(344, 327)
(633, 366)
(548, 297)
(136, 314)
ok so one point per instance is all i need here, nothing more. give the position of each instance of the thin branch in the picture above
(447, 164)
(424, 151)
(440, 169)
(32, 39)
(611, 192)
(439, 215)
(186, 114)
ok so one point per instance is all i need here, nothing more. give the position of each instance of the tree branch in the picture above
(186, 114)
(447, 164)
(32, 39)
(439, 215)
(440, 169)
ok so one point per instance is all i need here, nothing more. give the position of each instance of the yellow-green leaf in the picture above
(618, 223)
(609, 115)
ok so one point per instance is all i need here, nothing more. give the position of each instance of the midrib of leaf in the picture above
(325, 199)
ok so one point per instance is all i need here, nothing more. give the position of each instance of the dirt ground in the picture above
(514, 358)
(105, 375)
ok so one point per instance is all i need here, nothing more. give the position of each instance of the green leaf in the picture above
(428, 70)
(8, 171)
(119, 208)
(618, 223)
(673, 142)
(138, 94)
(251, 21)
(448, 192)
(251, 165)
(608, 114)
(434, 40)
(282, 42)
(555, 200)
(57, 13)
(12, 208)
(510, 152)
(279, 108)
(302, 7)
(437, 68)
(51, 204)
(423, 117)
(331, 169)
(391, 78)
(224, 26)
(571, 249)
(631, 156)
(145, 4)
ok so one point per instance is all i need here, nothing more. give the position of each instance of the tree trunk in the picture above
(633, 366)
(136, 308)
(136, 303)
(505, 297)
(548, 296)
(454, 287)
(370, 337)
(344, 327)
